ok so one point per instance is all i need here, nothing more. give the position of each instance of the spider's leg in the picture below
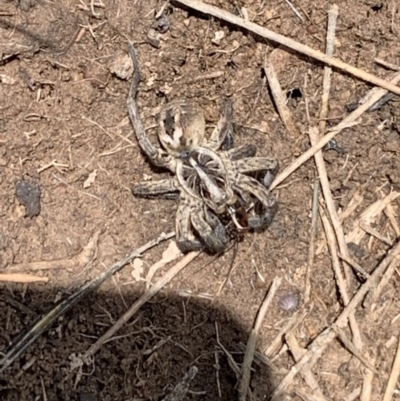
(242, 152)
(258, 164)
(266, 207)
(209, 228)
(157, 156)
(166, 189)
(185, 239)
(222, 135)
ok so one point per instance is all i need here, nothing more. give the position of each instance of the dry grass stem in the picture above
(290, 43)
(22, 278)
(341, 282)
(373, 298)
(157, 287)
(386, 64)
(350, 347)
(280, 99)
(330, 45)
(79, 260)
(346, 123)
(390, 213)
(351, 208)
(319, 344)
(394, 375)
(373, 96)
(370, 216)
(367, 384)
(44, 322)
(251, 342)
(330, 205)
(308, 376)
(371, 231)
(261, 358)
(311, 248)
(354, 265)
(302, 159)
(278, 341)
(231, 360)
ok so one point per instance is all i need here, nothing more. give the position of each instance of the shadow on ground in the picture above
(145, 360)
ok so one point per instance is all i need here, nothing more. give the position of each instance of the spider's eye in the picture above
(184, 154)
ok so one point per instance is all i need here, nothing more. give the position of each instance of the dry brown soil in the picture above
(62, 106)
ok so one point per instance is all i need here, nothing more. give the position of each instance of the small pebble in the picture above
(289, 302)
(162, 23)
(122, 66)
(28, 194)
(333, 145)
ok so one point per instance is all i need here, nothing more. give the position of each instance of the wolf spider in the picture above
(214, 181)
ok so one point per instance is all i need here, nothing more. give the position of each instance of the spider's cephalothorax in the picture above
(214, 184)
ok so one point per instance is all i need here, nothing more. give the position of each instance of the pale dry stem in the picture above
(319, 344)
(45, 321)
(326, 86)
(280, 98)
(308, 376)
(311, 249)
(157, 287)
(251, 342)
(22, 278)
(337, 226)
(390, 213)
(375, 233)
(277, 342)
(394, 375)
(372, 98)
(290, 43)
(77, 261)
(368, 378)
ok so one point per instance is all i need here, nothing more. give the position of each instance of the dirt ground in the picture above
(64, 126)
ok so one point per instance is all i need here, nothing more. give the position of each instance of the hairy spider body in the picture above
(216, 186)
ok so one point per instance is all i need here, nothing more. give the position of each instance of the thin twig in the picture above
(390, 213)
(373, 297)
(277, 342)
(161, 283)
(326, 86)
(22, 278)
(77, 261)
(346, 123)
(290, 43)
(231, 360)
(394, 375)
(40, 326)
(251, 342)
(371, 231)
(319, 344)
(308, 376)
(386, 64)
(330, 205)
(367, 383)
(344, 287)
(350, 347)
(280, 99)
(311, 249)
(354, 265)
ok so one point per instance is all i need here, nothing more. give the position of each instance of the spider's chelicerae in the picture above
(216, 184)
